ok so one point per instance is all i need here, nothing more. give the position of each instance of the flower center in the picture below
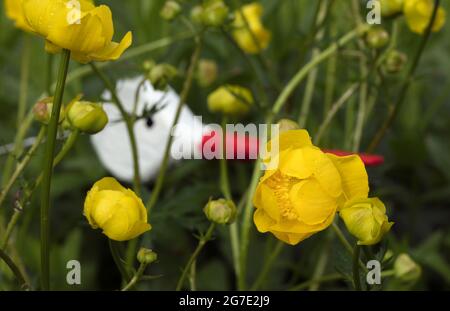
(281, 184)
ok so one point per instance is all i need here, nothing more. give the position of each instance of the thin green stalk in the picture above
(183, 96)
(333, 110)
(268, 265)
(48, 169)
(24, 76)
(129, 124)
(282, 98)
(322, 261)
(323, 279)
(115, 252)
(17, 273)
(18, 211)
(381, 132)
(346, 244)
(49, 74)
(136, 278)
(356, 279)
(193, 276)
(312, 76)
(22, 165)
(201, 243)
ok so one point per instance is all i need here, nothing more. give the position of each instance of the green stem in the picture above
(322, 261)
(129, 124)
(137, 276)
(17, 273)
(22, 165)
(346, 244)
(48, 169)
(406, 84)
(115, 252)
(18, 211)
(356, 279)
(201, 243)
(268, 265)
(326, 278)
(24, 75)
(49, 74)
(183, 96)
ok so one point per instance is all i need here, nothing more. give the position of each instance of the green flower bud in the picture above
(197, 14)
(406, 269)
(395, 61)
(220, 211)
(215, 13)
(391, 7)
(170, 10)
(287, 125)
(207, 72)
(42, 111)
(377, 37)
(146, 256)
(86, 116)
(160, 75)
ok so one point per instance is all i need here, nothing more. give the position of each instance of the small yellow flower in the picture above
(418, 14)
(391, 7)
(251, 37)
(86, 31)
(14, 11)
(366, 219)
(231, 100)
(301, 196)
(116, 210)
(86, 116)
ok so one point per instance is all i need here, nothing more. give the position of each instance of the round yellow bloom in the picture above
(14, 11)
(418, 14)
(116, 210)
(250, 33)
(230, 100)
(301, 196)
(391, 7)
(366, 219)
(78, 26)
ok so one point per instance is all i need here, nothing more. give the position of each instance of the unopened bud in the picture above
(395, 61)
(220, 211)
(146, 256)
(287, 125)
(406, 269)
(170, 10)
(215, 13)
(207, 72)
(86, 116)
(377, 37)
(160, 75)
(42, 111)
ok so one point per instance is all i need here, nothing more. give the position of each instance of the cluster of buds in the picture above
(159, 75)
(85, 116)
(170, 10)
(212, 13)
(220, 211)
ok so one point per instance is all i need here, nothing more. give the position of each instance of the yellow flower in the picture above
(230, 100)
(418, 14)
(86, 31)
(391, 7)
(301, 196)
(14, 11)
(366, 219)
(251, 37)
(116, 210)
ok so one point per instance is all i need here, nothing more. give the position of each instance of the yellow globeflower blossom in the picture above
(366, 219)
(116, 210)
(249, 32)
(231, 100)
(418, 14)
(79, 26)
(391, 7)
(302, 194)
(14, 11)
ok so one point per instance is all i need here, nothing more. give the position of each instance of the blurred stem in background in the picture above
(48, 169)
(201, 243)
(26, 197)
(381, 132)
(281, 100)
(356, 278)
(17, 273)
(129, 122)
(322, 13)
